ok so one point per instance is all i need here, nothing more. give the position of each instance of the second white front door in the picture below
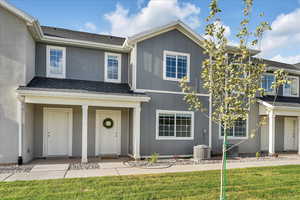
(290, 134)
(108, 132)
(57, 132)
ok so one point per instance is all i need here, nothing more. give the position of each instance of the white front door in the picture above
(108, 132)
(57, 132)
(264, 137)
(290, 134)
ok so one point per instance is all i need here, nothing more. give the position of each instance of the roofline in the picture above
(179, 25)
(285, 69)
(38, 34)
(17, 12)
(80, 95)
(83, 43)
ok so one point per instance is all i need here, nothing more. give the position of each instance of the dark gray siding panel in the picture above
(150, 61)
(149, 144)
(81, 63)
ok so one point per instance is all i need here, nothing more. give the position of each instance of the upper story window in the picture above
(239, 131)
(112, 67)
(291, 89)
(266, 83)
(176, 65)
(177, 125)
(56, 62)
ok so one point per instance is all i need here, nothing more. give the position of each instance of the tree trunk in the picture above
(223, 170)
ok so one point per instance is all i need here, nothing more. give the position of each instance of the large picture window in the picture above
(56, 62)
(113, 67)
(266, 83)
(176, 65)
(291, 89)
(238, 131)
(174, 124)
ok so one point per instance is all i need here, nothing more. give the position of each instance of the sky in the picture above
(127, 17)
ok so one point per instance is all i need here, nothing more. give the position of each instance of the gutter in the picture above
(81, 95)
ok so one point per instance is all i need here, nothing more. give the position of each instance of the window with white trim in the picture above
(291, 89)
(238, 131)
(176, 65)
(266, 83)
(112, 67)
(174, 124)
(56, 62)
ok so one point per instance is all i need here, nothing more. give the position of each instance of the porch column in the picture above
(271, 132)
(136, 131)
(299, 135)
(84, 133)
(20, 115)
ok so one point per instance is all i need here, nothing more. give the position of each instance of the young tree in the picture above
(230, 74)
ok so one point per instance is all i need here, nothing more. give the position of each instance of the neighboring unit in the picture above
(77, 94)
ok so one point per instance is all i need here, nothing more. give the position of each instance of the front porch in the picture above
(280, 127)
(67, 124)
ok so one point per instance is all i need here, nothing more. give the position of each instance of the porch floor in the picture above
(61, 168)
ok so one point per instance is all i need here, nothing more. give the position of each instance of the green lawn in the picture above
(253, 183)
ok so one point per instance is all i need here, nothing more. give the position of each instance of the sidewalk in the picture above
(57, 171)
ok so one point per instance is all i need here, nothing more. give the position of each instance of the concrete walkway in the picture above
(57, 171)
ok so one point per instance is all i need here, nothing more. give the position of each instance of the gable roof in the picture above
(78, 35)
(179, 25)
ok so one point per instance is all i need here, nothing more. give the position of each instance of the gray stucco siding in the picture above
(77, 129)
(149, 144)
(16, 68)
(150, 61)
(81, 63)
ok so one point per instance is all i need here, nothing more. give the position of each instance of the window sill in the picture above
(174, 79)
(175, 138)
(234, 138)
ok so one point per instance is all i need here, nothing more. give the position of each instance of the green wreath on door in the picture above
(108, 123)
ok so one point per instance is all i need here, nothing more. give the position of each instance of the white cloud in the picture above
(89, 27)
(155, 13)
(287, 59)
(285, 34)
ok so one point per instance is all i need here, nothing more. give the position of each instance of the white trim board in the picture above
(167, 92)
(45, 135)
(81, 96)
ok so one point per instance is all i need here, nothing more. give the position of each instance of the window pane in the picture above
(294, 86)
(183, 125)
(166, 124)
(267, 81)
(229, 131)
(240, 128)
(56, 61)
(171, 66)
(291, 89)
(112, 67)
(181, 66)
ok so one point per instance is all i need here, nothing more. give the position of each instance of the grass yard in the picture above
(253, 183)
